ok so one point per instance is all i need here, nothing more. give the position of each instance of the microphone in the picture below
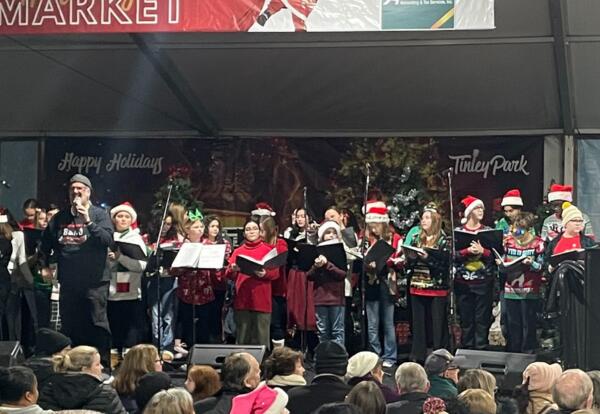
(76, 202)
(448, 170)
(5, 183)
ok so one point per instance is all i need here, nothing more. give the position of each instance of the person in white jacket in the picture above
(127, 263)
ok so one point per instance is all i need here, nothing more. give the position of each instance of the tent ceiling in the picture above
(302, 84)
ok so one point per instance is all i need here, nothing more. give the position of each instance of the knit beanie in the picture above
(542, 376)
(361, 364)
(331, 358)
(148, 385)
(49, 342)
(80, 178)
(570, 212)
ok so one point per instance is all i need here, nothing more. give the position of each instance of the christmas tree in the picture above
(404, 171)
(183, 193)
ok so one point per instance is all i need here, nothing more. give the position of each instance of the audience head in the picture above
(478, 401)
(49, 342)
(261, 400)
(442, 363)
(541, 376)
(411, 377)
(363, 365)
(202, 382)
(477, 379)
(331, 358)
(367, 396)
(239, 371)
(283, 361)
(18, 386)
(148, 385)
(138, 361)
(455, 406)
(171, 401)
(573, 390)
(82, 358)
(595, 377)
(434, 405)
(338, 408)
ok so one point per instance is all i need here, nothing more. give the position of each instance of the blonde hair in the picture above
(477, 379)
(75, 360)
(478, 401)
(137, 362)
(179, 216)
(171, 401)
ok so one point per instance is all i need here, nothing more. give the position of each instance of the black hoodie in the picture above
(79, 391)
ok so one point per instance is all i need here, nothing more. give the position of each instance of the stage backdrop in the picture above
(127, 16)
(230, 175)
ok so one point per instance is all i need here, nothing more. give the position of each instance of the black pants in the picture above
(215, 320)
(83, 312)
(186, 318)
(44, 307)
(428, 316)
(521, 323)
(126, 319)
(475, 313)
(278, 317)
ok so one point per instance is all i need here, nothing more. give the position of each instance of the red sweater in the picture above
(279, 285)
(329, 285)
(252, 293)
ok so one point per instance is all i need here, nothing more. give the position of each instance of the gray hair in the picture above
(171, 401)
(411, 377)
(572, 389)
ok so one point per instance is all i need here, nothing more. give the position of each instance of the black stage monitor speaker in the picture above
(11, 353)
(589, 341)
(214, 355)
(506, 367)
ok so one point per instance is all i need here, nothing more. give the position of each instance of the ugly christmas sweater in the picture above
(527, 284)
(474, 271)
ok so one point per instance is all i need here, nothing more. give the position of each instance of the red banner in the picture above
(126, 16)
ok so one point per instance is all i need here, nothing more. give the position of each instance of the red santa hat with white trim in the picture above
(559, 192)
(124, 207)
(377, 212)
(263, 209)
(512, 198)
(470, 203)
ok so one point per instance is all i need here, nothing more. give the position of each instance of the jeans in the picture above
(168, 310)
(330, 323)
(384, 309)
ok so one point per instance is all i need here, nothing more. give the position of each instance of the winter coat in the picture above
(324, 388)
(42, 368)
(32, 409)
(79, 391)
(219, 403)
(441, 387)
(411, 403)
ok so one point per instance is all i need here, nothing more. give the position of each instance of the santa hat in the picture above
(541, 375)
(263, 209)
(263, 400)
(560, 192)
(512, 198)
(329, 225)
(470, 203)
(377, 212)
(3, 218)
(570, 212)
(124, 207)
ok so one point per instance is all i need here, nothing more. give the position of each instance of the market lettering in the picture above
(72, 162)
(469, 163)
(88, 12)
(121, 161)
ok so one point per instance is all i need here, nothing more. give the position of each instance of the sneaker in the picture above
(388, 364)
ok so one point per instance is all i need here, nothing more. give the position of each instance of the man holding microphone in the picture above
(78, 239)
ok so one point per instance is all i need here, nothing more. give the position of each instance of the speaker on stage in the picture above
(214, 355)
(11, 353)
(588, 339)
(506, 367)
